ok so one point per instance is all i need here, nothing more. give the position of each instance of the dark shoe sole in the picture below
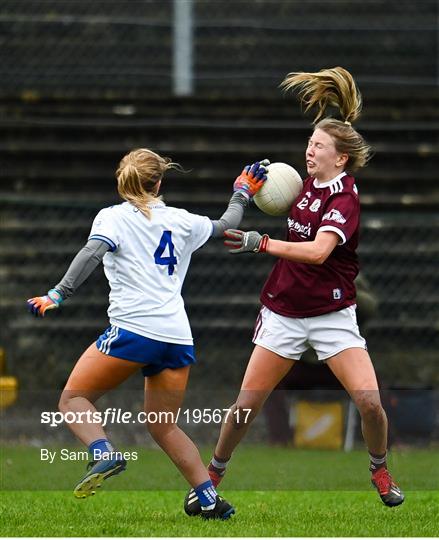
(223, 517)
(390, 503)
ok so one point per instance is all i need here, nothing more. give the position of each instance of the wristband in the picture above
(55, 296)
(263, 244)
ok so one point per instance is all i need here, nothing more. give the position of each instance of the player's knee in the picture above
(158, 430)
(243, 414)
(74, 400)
(371, 409)
(155, 431)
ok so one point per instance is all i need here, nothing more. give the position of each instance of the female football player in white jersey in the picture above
(309, 297)
(146, 248)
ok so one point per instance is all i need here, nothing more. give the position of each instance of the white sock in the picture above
(376, 461)
(219, 464)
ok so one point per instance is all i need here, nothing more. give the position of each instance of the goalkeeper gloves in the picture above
(40, 304)
(252, 178)
(245, 242)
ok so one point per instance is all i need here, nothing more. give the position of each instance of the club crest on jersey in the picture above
(299, 228)
(315, 205)
(336, 294)
(334, 215)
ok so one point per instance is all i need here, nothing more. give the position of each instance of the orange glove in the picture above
(252, 178)
(40, 304)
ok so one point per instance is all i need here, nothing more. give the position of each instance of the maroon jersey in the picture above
(306, 290)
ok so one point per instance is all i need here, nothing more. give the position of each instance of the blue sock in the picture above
(100, 447)
(206, 495)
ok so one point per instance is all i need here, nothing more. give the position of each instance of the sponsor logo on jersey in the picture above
(334, 215)
(315, 205)
(299, 228)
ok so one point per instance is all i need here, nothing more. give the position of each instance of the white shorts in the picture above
(327, 334)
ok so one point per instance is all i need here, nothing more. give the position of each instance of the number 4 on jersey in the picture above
(166, 241)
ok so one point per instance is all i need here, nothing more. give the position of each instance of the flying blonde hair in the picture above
(333, 87)
(138, 176)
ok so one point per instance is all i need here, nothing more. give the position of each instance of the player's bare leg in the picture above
(264, 371)
(354, 369)
(164, 394)
(94, 374)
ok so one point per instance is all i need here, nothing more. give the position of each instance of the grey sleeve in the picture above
(82, 266)
(232, 216)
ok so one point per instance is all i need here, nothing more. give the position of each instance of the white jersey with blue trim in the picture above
(146, 267)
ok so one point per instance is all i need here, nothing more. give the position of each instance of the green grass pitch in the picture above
(276, 492)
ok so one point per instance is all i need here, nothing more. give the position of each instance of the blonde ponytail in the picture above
(138, 176)
(334, 87)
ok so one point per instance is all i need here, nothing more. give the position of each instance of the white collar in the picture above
(329, 182)
(157, 204)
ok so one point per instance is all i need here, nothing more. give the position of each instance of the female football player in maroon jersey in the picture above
(309, 297)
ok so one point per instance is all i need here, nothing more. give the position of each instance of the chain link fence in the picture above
(107, 47)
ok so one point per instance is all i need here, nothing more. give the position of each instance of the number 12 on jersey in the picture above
(171, 260)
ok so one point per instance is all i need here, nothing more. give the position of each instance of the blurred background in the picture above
(82, 82)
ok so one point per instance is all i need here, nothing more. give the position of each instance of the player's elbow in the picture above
(318, 260)
(318, 256)
(322, 248)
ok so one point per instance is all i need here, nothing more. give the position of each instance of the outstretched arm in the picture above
(80, 268)
(245, 187)
(313, 252)
(232, 217)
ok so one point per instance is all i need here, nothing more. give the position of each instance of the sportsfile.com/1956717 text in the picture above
(114, 415)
